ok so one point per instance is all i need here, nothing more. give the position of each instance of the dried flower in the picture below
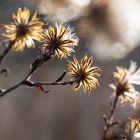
(125, 79)
(23, 30)
(132, 129)
(59, 40)
(135, 125)
(83, 73)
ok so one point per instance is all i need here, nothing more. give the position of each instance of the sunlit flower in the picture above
(83, 74)
(23, 31)
(59, 40)
(125, 79)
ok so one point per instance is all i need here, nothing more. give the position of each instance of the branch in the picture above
(34, 66)
(109, 121)
(38, 85)
(61, 77)
(31, 83)
(26, 81)
(6, 51)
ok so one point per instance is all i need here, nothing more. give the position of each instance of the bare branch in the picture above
(6, 51)
(109, 121)
(39, 85)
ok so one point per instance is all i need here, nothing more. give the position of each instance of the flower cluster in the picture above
(60, 40)
(56, 40)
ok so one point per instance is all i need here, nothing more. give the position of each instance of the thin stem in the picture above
(113, 107)
(4, 92)
(35, 65)
(6, 51)
(108, 121)
(54, 83)
(34, 84)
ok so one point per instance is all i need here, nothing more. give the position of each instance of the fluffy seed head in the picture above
(59, 40)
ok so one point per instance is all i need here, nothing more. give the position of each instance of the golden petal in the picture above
(93, 69)
(10, 36)
(90, 61)
(10, 26)
(34, 17)
(76, 86)
(36, 36)
(29, 42)
(83, 60)
(75, 60)
(68, 41)
(63, 31)
(19, 15)
(84, 85)
(25, 15)
(15, 19)
(19, 45)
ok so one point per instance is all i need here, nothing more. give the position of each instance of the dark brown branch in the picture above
(35, 65)
(4, 92)
(6, 51)
(52, 83)
(39, 85)
(109, 121)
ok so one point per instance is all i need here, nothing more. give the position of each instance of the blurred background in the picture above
(109, 30)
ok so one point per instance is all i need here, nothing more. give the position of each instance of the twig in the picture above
(31, 83)
(109, 121)
(4, 92)
(39, 85)
(35, 65)
(113, 107)
(6, 51)
(61, 77)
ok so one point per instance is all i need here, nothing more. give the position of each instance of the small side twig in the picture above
(61, 77)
